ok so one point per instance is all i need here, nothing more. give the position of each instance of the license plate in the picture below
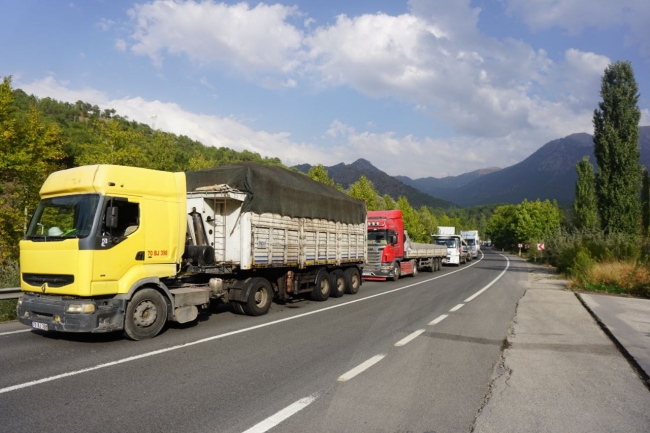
(37, 325)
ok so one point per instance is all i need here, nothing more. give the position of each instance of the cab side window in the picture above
(128, 217)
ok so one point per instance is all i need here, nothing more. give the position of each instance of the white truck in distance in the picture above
(473, 241)
(455, 254)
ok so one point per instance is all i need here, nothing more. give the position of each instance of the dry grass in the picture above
(626, 276)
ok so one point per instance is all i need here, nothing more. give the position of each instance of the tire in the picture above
(322, 286)
(260, 297)
(352, 281)
(146, 314)
(415, 268)
(437, 265)
(397, 271)
(339, 286)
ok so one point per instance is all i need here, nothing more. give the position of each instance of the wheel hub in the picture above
(145, 314)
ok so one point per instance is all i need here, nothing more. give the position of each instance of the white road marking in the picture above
(493, 281)
(285, 413)
(15, 332)
(456, 308)
(409, 337)
(220, 336)
(438, 319)
(361, 368)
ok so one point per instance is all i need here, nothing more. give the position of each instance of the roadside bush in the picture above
(581, 266)
(633, 278)
(9, 274)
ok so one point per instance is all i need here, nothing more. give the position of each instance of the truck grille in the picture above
(52, 280)
(374, 259)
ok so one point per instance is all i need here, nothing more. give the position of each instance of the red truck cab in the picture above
(386, 241)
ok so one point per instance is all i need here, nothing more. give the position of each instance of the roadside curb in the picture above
(645, 378)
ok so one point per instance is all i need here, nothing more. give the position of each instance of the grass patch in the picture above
(8, 309)
(620, 277)
(605, 288)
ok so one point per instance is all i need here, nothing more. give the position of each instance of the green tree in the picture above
(30, 149)
(429, 222)
(616, 138)
(319, 174)
(113, 144)
(534, 220)
(364, 190)
(645, 202)
(390, 203)
(412, 222)
(585, 204)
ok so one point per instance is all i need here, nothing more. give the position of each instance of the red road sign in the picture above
(540, 246)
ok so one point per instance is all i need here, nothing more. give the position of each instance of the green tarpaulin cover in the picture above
(280, 191)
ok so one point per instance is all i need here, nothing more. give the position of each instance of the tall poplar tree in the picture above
(616, 147)
(645, 203)
(584, 205)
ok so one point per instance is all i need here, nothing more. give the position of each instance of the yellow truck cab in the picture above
(99, 233)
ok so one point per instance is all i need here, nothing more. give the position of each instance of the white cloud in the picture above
(577, 15)
(120, 45)
(105, 24)
(248, 39)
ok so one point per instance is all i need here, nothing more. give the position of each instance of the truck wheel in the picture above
(352, 281)
(439, 265)
(415, 268)
(146, 315)
(338, 284)
(397, 271)
(260, 297)
(322, 286)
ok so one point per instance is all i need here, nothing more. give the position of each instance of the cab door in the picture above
(117, 248)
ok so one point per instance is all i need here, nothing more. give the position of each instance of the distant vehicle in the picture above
(391, 253)
(457, 251)
(473, 241)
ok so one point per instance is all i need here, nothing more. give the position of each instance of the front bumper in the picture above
(378, 272)
(48, 312)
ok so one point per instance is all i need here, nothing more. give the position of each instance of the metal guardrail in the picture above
(10, 293)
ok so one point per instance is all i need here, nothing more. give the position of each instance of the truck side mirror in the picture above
(392, 239)
(111, 217)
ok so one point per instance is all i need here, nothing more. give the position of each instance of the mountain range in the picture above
(549, 173)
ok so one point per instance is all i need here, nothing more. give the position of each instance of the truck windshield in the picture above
(449, 243)
(377, 238)
(59, 218)
(469, 241)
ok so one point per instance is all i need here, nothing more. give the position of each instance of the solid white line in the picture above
(438, 319)
(493, 281)
(456, 308)
(409, 337)
(220, 336)
(285, 413)
(15, 332)
(361, 367)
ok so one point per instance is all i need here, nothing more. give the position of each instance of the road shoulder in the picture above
(560, 372)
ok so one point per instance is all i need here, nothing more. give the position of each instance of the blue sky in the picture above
(419, 88)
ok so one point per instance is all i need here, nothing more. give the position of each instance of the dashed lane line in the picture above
(456, 308)
(361, 368)
(438, 319)
(409, 337)
(285, 413)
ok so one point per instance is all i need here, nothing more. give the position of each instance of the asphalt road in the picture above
(415, 355)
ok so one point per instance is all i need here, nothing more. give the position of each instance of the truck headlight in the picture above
(80, 308)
